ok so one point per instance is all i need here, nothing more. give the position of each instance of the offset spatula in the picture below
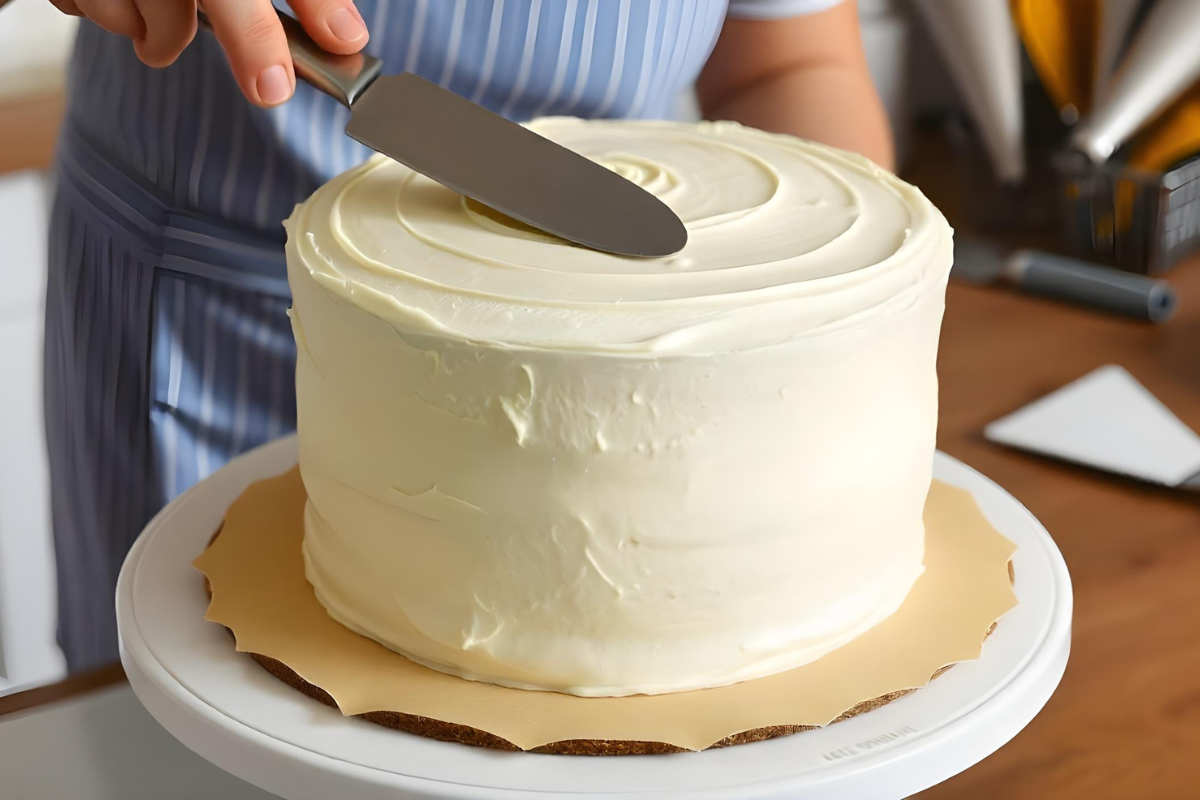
(501, 164)
(1067, 279)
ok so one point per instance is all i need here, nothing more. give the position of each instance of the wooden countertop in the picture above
(29, 130)
(74, 685)
(1126, 720)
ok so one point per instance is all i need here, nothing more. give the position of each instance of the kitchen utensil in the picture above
(1060, 38)
(980, 45)
(1048, 275)
(480, 154)
(1138, 221)
(1107, 420)
(1173, 137)
(1114, 22)
(1162, 62)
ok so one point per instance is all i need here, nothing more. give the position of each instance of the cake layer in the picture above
(542, 466)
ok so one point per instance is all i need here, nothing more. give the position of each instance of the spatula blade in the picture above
(506, 166)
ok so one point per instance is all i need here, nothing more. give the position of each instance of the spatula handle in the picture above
(343, 78)
(1092, 285)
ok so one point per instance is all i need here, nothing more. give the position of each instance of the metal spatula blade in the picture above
(469, 149)
(480, 154)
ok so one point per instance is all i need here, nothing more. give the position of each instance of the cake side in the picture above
(619, 475)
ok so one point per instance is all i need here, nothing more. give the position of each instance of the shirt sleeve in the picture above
(778, 9)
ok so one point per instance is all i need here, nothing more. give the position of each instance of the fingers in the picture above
(67, 7)
(116, 16)
(257, 50)
(160, 29)
(170, 27)
(335, 25)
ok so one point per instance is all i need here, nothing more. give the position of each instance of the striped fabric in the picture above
(167, 347)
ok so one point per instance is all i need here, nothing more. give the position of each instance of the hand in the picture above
(248, 30)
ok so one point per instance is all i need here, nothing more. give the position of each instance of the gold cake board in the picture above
(256, 575)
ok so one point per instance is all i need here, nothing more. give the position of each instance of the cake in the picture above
(545, 467)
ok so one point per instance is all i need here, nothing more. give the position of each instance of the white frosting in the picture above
(537, 465)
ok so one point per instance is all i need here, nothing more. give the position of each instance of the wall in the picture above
(34, 42)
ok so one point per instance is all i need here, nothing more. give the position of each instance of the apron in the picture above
(167, 352)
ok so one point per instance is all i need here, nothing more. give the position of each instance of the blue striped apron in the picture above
(167, 352)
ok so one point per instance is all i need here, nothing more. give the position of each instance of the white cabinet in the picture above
(35, 40)
(28, 652)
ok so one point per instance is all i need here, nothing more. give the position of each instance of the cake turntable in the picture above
(220, 704)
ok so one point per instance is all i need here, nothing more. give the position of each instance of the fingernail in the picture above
(273, 85)
(346, 25)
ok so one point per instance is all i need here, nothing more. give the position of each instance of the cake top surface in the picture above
(787, 238)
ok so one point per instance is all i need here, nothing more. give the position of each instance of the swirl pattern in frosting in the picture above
(774, 223)
(542, 466)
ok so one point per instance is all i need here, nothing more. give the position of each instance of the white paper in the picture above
(24, 219)
(1106, 420)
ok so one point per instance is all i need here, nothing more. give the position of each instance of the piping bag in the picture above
(1171, 138)
(1163, 61)
(1060, 38)
(980, 44)
(1113, 29)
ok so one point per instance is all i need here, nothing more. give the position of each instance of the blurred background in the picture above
(35, 43)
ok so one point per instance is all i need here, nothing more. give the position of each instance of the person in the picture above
(167, 348)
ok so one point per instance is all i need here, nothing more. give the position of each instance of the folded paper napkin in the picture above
(1109, 421)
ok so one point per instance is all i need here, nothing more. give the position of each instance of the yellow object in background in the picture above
(1162, 63)
(1060, 37)
(1171, 138)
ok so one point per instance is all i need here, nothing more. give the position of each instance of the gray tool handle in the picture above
(343, 78)
(1092, 285)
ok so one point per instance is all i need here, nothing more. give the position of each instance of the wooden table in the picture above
(29, 130)
(1126, 720)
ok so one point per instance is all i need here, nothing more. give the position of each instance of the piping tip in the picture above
(1094, 143)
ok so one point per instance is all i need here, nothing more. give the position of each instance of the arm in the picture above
(805, 75)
